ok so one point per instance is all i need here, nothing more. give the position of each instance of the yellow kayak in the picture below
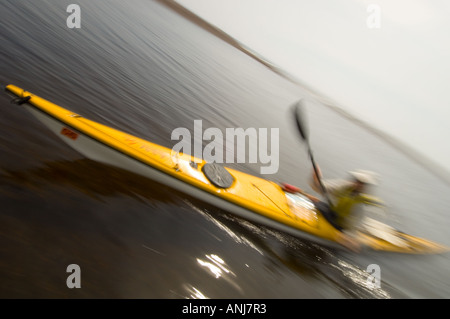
(253, 198)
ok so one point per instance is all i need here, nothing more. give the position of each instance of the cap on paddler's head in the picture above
(366, 177)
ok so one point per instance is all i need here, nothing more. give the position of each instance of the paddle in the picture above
(299, 119)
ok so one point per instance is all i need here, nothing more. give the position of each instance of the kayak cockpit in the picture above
(303, 208)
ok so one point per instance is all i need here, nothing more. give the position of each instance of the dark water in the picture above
(144, 69)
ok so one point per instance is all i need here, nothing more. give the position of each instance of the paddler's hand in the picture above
(317, 176)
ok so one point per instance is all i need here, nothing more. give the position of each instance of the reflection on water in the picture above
(220, 270)
(361, 279)
(194, 293)
(89, 177)
(240, 239)
(216, 266)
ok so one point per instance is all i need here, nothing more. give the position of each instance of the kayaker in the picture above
(346, 197)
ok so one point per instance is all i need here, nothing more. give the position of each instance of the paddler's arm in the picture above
(294, 189)
(333, 187)
(311, 197)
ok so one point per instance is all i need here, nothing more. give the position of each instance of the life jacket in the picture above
(345, 203)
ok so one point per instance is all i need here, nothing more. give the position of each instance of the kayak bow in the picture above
(253, 198)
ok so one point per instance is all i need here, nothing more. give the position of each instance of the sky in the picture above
(387, 62)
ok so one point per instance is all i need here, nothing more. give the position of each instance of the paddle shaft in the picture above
(316, 171)
(298, 113)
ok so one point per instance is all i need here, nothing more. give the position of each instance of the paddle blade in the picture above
(300, 120)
